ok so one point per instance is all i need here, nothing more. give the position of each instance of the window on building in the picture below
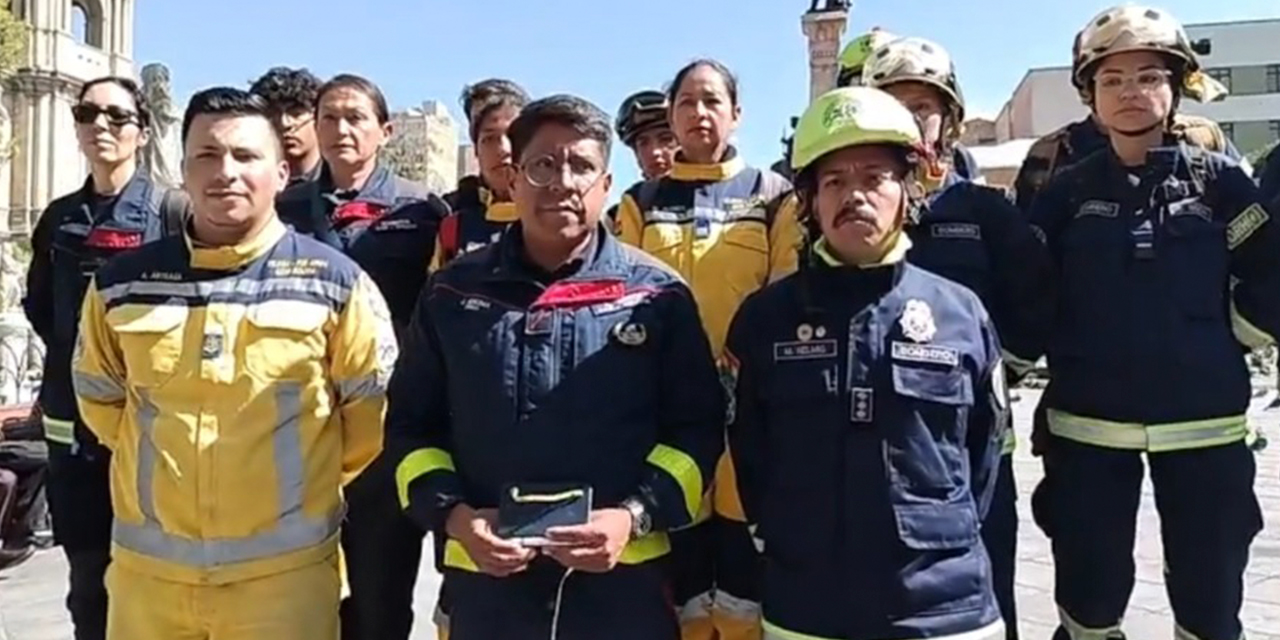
(87, 22)
(1222, 75)
(1273, 78)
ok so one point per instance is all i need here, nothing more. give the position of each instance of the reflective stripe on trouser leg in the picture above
(1209, 515)
(1171, 436)
(293, 531)
(1092, 509)
(59, 431)
(993, 631)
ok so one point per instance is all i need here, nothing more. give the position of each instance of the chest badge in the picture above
(632, 334)
(211, 346)
(807, 332)
(917, 321)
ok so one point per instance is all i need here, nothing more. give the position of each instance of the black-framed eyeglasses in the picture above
(545, 171)
(87, 113)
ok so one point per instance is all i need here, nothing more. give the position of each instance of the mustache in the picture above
(850, 213)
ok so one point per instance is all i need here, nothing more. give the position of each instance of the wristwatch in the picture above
(641, 522)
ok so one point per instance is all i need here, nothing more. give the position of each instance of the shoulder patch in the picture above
(1245, 224)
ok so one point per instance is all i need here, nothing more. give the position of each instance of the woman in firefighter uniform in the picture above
(728, 230)
(973, 235)
(388, 226)
(1167, 269)
(868, 403)
(481, 206)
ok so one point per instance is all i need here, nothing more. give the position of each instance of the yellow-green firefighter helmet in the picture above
(848, 117)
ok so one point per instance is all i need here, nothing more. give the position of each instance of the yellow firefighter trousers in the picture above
(301, 604)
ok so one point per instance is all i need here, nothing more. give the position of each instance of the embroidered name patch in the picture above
(1099, 208)
(625, 302)
(956, 230)
(926, 353)
(804, 350)
(396, 224)
(1249, 221)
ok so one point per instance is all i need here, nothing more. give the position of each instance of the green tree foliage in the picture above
(13, 42)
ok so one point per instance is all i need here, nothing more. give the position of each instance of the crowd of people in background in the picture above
(737, 403)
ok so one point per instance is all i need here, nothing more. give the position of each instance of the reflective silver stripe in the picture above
(697, 607)
(97, 388)
(710, 214)
(293, 531)
(734, 607)
(230, 285)
(1078, 631)
(367, 387)
(59, 431)
(993, 631)
(75, 228)
(1170, 436)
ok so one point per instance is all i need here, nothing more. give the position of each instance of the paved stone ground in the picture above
(31, 595)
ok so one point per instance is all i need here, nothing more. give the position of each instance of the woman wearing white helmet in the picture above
(972, 235)
(867, 396)
(1168, 267)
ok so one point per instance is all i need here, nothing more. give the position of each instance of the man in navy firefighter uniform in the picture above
(557, 355)
(868, 401)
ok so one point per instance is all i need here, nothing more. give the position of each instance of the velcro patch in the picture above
(956, 230)
(1099, 208)
(1245, 224)
(804, 350)
(926, 353)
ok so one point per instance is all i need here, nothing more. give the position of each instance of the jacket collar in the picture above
(503, 211)
(897, 253)
(728, 167)
(378, 189)
(134, 197)
(233, 256)
(604, 258)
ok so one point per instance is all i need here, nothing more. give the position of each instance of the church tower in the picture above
(70, 42)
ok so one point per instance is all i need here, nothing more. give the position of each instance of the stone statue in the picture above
(823, 6)
(160, 156)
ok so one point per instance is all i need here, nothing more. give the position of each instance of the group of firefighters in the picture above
(263, 390)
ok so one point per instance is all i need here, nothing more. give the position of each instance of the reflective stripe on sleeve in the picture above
(59, 431)
(1170, 436)
(417, 464)
(1247, 333)
(681, 467)
(97, 388)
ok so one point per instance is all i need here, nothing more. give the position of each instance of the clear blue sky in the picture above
(604, 49)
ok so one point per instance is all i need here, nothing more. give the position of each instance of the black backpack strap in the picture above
(646, 195)
(171, 204)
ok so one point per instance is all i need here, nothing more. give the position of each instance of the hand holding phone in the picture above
(526, 512)
(474, 530)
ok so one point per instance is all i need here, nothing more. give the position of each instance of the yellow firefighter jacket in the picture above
(239, 388)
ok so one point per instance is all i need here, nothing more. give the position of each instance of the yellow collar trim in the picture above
(897, 253)
(501, 212)
(689, 172)
(232, 256)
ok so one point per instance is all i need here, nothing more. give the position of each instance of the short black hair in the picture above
(483, 98)
(362, 85)
(133, 89)
(288, 90)
(226, 101)
(730, 80)
(570, 111)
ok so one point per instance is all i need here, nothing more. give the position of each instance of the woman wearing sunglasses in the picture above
(117, 209)
(728, 230)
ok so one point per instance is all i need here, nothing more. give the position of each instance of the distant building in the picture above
(467, 163)
(423, 144)
(1243, 56)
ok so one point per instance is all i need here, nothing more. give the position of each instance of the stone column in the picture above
(824, 29)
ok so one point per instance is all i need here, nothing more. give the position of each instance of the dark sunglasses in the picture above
(86, 113)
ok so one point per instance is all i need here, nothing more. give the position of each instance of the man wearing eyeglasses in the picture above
(292, 93)
(557, 365)
(117, 210)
